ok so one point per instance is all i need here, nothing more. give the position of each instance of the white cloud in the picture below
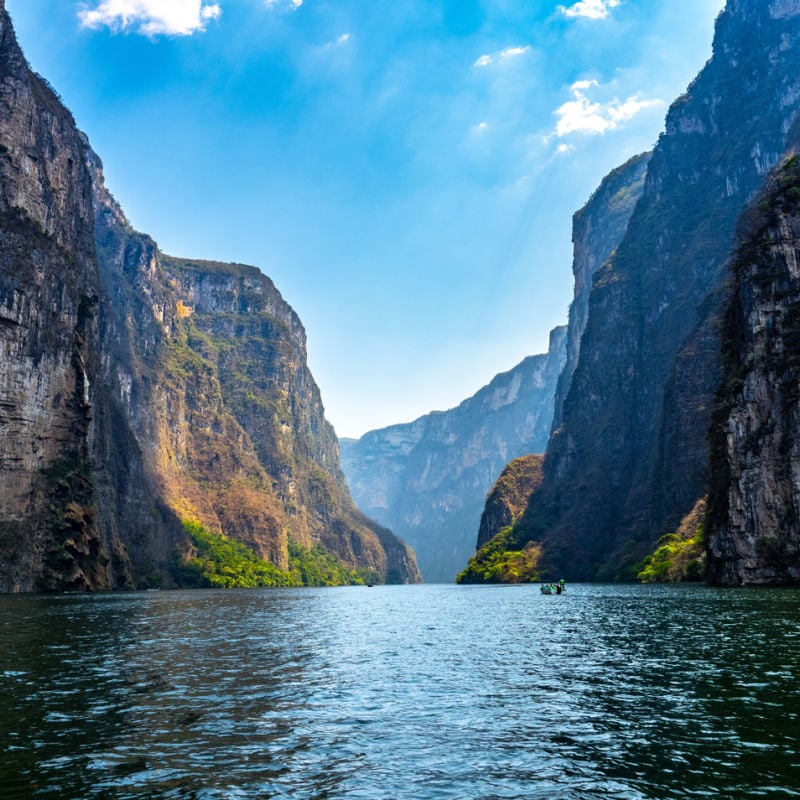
(591, 9)
(511, 52)
(151, 17)
(291, 5)
(338, 42)
(503, 55)
(581, 115)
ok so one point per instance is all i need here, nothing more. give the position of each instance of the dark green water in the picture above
(402, 692)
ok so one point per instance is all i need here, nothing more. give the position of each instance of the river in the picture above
(402, 692)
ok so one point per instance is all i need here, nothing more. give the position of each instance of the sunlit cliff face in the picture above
(139, 391)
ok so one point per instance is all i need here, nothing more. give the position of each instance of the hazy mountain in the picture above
(427, 480)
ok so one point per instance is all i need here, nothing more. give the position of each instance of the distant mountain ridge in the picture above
(427, 479)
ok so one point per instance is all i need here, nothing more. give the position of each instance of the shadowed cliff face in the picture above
(597, 230)
(630, 459)
(754, 515)
(138, 390)
(427, 480)
(48, 282)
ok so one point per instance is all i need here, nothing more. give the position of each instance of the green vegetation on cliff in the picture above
(316, 567)
(679, 556)
(499, 562)
(224, 563)
(221, 562)
(508, 498)
(501, 557)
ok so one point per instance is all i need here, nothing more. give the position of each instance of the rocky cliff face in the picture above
(427, 480)
(209, 364)
(630, 458)
(48, 283)
(597, 230)
(498, 559)
(508, 498)
(754, 516)
(140, 390)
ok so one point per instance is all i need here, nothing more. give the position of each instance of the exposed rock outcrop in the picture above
(508, 498)
(48, 340)
(754, 516)
(427, 480)
(597, 230)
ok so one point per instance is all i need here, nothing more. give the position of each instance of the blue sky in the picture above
(404, 170)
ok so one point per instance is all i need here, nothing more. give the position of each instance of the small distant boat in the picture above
(553, 588)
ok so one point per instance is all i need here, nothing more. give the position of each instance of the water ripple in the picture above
(402, 692)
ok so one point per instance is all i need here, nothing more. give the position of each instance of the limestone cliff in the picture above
(48, 283)
(427, 480)
(209, 363)
(597, 230)
(139, 390)
(630, 459)
(754, 515)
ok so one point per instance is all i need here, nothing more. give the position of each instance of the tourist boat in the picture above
(553, 588)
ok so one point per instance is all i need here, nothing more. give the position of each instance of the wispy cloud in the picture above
(289, 5)
(151, 17)
(503, 55)
(582, 115)
(591, 9)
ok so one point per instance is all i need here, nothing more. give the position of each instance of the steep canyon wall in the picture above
(630, 458)
(141, 390)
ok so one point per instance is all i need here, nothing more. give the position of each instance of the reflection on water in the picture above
(402, 692)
